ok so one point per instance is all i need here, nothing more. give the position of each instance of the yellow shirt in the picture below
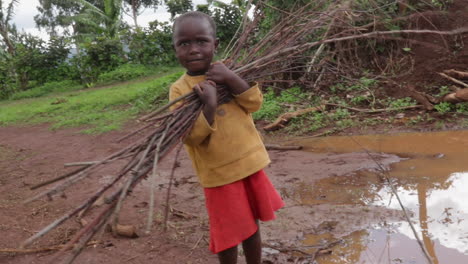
(231, 148)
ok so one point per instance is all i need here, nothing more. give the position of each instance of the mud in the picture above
(339, 208)
(431, 184)
(37, 154)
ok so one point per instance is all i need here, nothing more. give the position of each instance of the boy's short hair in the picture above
(196, 14)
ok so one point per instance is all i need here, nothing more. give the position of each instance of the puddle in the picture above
(432, 184)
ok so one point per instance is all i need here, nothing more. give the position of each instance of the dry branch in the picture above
(453, 80)
(284, 118)
(458, 74)
(279, 147)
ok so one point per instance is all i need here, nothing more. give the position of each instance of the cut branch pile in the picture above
(284, 49)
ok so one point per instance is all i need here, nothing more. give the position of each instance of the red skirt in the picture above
(234, 208)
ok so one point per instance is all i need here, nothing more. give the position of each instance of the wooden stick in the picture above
(278, 147)
(153, 180)
(38, 250)
(453, 80)
(284, 118)
(459, 74)
(174, 165)
(39, 185)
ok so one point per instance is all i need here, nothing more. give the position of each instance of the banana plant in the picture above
(106, 19)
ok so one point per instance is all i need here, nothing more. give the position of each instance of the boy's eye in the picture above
(202, 41)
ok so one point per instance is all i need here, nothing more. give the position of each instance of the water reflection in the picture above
(442, 213)
(432, 185)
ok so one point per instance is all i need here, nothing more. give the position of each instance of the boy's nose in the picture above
(194, 49)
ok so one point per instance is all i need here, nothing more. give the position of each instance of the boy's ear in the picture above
(216, 43)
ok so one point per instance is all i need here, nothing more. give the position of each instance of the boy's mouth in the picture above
(194, 60)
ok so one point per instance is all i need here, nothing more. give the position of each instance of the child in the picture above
(224, 145)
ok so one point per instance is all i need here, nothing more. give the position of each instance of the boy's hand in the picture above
(220, 74)
(206, 90)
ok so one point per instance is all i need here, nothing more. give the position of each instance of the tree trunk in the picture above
(6, 39)
(135, 13)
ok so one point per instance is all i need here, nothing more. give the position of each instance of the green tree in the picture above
(176, 7)
(227, 18)
(5, 27)
(105, 20)
(133, 8)
(152, 45)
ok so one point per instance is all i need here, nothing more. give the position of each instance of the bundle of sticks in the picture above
(283, 49)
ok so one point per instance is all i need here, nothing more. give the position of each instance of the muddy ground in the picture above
(38, 154)
(33, 154)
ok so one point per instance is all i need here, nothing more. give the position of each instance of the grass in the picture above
(98, 110)
(48, 88)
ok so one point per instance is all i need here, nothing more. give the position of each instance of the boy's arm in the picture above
(202, 127)
(249, 97)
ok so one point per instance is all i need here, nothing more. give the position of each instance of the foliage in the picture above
(340, 114)
(35, 61)
(54, 16)
(443, 107)
(443, 90)
(462, 108)
(272, 105)
(47, 88)
(152, 45)
(125, 72)
(227, 17)
(99, 110)
(176, 7)
(101, 55)
(104, 17)
(7, 80)
(401, 102)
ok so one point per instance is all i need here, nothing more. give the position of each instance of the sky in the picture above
(26, 10)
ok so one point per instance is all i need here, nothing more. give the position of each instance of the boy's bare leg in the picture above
(228, 256)
(253, 248)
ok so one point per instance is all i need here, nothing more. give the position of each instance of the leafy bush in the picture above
(47, 88)
(152, 45)
(443, 107)
(96, 57)
(402, 102)
(272, 107)
(462, 108)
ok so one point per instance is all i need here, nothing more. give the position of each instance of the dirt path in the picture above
(30, 155)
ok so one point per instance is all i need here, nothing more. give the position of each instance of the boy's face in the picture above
(194, 44)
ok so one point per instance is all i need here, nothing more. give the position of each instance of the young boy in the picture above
(224, 145)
